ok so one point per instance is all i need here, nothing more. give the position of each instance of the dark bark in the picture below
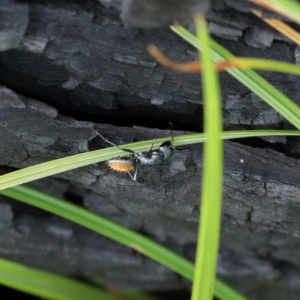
(77, 60)
(80, 58)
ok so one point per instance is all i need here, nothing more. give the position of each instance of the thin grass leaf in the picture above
(79, 160)
(288, 8)
(262, 64)
(211, 199)
(285, 106)
(67, 163)
(195, 138)
(116, 232)
(47, 285)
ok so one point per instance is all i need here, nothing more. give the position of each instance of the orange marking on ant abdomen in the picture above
(121, 165)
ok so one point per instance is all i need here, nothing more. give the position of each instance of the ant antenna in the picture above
(111, 143)
(172, 133)
(151, 146)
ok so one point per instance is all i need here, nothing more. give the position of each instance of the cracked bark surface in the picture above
(77, 60)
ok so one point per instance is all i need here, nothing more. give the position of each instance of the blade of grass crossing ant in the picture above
(211, 199)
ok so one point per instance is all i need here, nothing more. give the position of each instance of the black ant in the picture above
(130, 163)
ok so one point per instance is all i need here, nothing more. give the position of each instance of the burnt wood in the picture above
(68, 67)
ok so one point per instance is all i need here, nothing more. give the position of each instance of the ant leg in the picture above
(132, 177)
(135, 174)
(109, 142)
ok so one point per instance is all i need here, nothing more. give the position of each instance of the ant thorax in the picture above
(149, 158)
(164, 152)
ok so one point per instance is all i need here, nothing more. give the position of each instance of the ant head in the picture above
(166, 144)
(166, 149)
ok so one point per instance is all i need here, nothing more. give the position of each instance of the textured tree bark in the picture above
(68, 67)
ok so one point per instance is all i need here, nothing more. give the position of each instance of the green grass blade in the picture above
(45, 284)
(265, 64)
(211, 199)
(67, 163)
(285, 106)
(195, 138)
(79, 160)
(98, 224)
(288, 8)
(116, 232)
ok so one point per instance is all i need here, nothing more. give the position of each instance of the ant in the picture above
(131, 162)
